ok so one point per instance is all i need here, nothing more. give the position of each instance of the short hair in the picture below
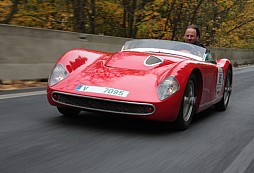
(196, 28)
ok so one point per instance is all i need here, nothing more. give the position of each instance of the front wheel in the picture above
(223, 103)
(68, 111)
(188, 104)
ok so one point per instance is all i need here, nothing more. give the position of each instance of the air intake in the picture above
(153, 60)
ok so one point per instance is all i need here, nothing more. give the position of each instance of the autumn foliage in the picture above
(223, 23)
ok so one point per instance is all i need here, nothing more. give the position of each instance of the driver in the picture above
(192, 34)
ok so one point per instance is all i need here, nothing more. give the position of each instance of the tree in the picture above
(79, 19)
(7, 10)
(223, 23)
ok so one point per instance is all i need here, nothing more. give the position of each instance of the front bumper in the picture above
(166, 111)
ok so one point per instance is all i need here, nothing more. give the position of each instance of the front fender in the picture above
(76, 58)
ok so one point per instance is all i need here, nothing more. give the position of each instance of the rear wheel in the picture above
(223, 103)
(68, 111)
(188, 104)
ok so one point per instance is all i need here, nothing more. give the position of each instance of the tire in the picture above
(188, 104)
(223, 103)
(68, 111)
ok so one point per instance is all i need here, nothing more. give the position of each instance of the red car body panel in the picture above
(125, 70)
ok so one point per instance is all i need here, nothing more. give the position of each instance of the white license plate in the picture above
(102, 90)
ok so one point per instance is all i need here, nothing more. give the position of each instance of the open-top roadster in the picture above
(158, 80)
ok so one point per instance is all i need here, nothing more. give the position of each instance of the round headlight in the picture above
(58, 73)
(168, 87)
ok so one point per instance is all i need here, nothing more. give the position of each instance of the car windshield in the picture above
(165, 46)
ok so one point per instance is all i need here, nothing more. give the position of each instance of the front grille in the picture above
(105, 105)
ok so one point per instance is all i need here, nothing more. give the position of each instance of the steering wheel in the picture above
(188, 47)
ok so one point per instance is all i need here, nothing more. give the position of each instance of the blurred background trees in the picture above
(223, 23)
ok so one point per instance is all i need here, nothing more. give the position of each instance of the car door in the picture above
(210, 75)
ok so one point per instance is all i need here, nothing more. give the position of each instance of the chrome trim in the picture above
(101, 110)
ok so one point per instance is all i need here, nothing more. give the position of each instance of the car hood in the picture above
(140, 60)
(126, 71)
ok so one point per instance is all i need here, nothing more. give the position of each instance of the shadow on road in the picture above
(123, 124)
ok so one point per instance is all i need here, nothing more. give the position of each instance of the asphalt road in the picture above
(34, 138)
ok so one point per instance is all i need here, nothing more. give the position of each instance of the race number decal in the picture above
(102, 90)
(219, 80)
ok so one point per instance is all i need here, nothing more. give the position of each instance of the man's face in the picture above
(190, 35)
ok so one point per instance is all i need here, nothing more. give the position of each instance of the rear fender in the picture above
(225, 64)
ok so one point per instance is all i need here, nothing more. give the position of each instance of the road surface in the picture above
(35, 138)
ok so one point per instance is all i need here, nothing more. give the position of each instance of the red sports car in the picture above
(152, 79)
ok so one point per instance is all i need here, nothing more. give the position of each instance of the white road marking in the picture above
(243, 160)
(8, 96)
